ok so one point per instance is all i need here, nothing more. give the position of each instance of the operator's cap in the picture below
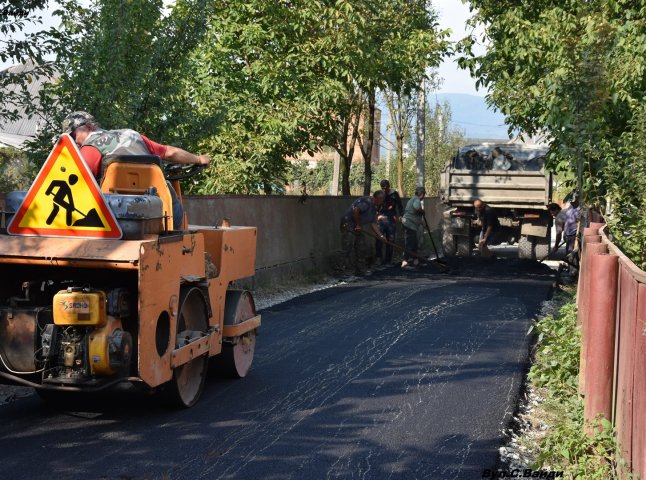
(75, 120)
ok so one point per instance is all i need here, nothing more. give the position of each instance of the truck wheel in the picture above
(237, 354)
(448, 243)
(526, 248)
(541, 247)
(464, 245)
(188, 380)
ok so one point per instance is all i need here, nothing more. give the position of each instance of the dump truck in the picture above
(98, 289)
(511, 178)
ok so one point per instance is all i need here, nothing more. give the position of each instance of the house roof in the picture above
(15, 133)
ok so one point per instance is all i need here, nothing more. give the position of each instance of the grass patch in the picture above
(561, 444)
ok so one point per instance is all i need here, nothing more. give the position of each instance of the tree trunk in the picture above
(346, 162)
(400, 164)
(366, 150)
(347, 142)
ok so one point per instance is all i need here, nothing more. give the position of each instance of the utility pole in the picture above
(421, 133)
(440, 122)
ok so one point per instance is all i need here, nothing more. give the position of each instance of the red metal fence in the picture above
(612, 315)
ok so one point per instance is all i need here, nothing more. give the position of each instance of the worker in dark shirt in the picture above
(363, 211)
(388, 215)
(490, 227)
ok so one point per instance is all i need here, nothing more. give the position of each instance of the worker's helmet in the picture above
(75, 120)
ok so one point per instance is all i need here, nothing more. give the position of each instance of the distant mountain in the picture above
(471, 115)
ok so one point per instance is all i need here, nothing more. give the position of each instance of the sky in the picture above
(453, 14)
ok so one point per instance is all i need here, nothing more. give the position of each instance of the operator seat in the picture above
(134, 175)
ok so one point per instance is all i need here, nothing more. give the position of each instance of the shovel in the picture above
(437, 255)
(443, 267)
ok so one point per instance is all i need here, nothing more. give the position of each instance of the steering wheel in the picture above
(174, 171)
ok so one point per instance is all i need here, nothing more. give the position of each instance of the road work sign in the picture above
(65, 200)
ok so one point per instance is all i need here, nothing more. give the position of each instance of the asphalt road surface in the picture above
(401, 375)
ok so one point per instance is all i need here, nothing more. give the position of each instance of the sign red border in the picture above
(65, 141)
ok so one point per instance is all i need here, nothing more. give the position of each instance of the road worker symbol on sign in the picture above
(65, 200)
(62, 194)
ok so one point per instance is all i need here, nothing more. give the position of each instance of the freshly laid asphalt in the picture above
(399, 375)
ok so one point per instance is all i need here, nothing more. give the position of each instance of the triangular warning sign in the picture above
(65, 200)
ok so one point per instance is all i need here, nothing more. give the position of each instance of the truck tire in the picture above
(534, 248)
(526, 248)
(463, 245)
(541, 247)
(448, 242)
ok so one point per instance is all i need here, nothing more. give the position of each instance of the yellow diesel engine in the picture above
(84, 341)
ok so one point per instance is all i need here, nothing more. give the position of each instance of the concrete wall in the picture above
(293, 237)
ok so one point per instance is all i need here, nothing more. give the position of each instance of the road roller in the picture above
(98, 288)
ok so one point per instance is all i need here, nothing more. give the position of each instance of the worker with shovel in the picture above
(412, 223)
(363, 211)
(61, 191)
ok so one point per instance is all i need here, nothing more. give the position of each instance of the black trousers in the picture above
(410, 242)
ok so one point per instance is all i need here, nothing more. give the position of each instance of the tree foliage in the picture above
(248, 82)
(401, 107)
(126, 63)
(576, 71)
(13, 170)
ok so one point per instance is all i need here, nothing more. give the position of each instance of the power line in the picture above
(479, 124)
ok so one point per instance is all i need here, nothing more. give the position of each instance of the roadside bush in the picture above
(627, 191)
(558, 349)
(555, 375)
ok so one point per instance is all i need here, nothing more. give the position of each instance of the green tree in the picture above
(441, 142)
(249, 82)
(401, 42)
(401, 107)
(127, 64)
(267, 73)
